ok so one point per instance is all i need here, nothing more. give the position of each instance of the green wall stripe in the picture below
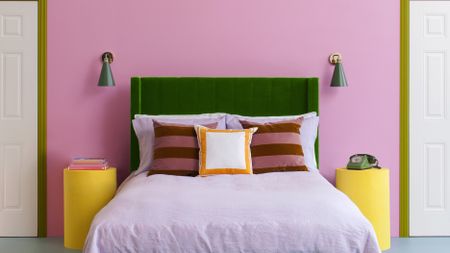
(42, 118)
(404, 118)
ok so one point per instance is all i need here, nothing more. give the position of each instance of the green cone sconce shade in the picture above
(338, 79)
(106, 77)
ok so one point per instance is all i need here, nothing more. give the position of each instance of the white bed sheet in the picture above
(273, 212)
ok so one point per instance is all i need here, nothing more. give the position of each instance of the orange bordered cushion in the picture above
(224, 151)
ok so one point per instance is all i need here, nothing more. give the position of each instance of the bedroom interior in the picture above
(174, 126)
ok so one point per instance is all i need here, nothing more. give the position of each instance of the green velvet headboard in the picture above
(240, 95)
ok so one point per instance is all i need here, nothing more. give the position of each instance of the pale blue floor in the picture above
(420, 245)
(34, 245)
(55, 245)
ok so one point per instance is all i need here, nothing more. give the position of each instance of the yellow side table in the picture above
(369, 190)
(85, 193)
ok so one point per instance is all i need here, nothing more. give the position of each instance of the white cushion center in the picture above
(225, 150)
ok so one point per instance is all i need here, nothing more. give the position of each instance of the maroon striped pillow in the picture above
(276, 146)
(175, 149)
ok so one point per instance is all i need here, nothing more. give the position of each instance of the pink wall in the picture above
(220, 38)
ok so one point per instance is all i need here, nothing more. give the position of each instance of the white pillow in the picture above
(308, 131)
(143, 127)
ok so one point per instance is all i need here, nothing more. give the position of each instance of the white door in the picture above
(18, 118)
(429, 118)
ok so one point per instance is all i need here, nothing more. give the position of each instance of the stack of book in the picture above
(88, 164)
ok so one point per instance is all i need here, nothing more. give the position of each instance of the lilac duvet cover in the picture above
(273, 212)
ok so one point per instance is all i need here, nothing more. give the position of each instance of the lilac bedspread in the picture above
(273, 212)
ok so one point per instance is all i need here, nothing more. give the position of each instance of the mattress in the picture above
(272, 212)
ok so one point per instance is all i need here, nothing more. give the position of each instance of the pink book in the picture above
(88, 161)
(87, 168)
(102, 166)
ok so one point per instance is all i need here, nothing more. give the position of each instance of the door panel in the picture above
(429, 118)
(18, 118)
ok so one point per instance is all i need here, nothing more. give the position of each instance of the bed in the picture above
(271, 212)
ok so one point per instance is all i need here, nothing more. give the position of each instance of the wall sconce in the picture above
(106, 77)
(338, 79)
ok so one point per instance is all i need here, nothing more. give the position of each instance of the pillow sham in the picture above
(175, 151)
(276, 146)
(224, 151)
(143, 127)
(308, 131)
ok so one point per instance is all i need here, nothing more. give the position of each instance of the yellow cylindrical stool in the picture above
(369, 190)
(85, 193)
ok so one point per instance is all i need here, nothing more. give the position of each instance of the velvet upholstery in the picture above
(272, 96)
